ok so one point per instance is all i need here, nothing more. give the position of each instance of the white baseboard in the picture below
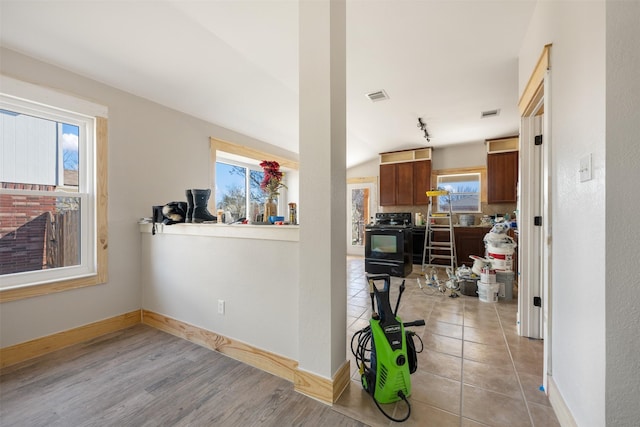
(559, 405)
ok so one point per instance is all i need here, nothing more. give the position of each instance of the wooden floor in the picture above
(144, 377)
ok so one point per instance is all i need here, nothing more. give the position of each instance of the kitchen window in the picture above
(52, 198)
(465, 192)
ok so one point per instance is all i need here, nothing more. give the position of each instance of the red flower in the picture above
(272, 180)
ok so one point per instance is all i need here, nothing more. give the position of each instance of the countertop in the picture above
(423, 227)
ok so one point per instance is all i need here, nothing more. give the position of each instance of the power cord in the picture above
(362, 354)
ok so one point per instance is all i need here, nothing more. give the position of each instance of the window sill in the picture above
(290, 233)
(40, 289)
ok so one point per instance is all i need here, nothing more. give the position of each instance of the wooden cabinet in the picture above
(502, 170)
(502, 177)
(405, 184)
(388, 184)
(404, 188)
(421, 182)
(469, 241)
(405, 177)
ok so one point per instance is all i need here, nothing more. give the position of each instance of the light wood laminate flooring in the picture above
(144, 377)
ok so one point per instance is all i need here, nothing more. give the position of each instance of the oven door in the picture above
(388, 250)
(384, 243)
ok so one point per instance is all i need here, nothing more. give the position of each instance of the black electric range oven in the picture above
(389, 245)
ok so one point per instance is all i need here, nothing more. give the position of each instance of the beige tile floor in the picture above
(474, 371)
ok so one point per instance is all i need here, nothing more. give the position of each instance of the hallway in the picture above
(475, 370)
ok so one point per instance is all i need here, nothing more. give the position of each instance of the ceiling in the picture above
(235, 63)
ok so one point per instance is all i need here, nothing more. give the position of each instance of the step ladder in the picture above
(441, 253)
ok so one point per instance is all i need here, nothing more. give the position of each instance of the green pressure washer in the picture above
(385, 351)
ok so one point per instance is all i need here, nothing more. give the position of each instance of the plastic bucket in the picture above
(488, 275)
(467, 220)
(488, 292)
(501, 257)
(505, 279)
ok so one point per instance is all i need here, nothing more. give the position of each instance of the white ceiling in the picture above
(235, 63)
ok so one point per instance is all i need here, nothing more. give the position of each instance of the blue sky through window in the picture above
(70, 151)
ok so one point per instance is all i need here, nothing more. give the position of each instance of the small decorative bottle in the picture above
(293, 214)
(270, 209)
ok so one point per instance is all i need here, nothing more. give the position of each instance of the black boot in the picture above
(189, 216)
(200, 211)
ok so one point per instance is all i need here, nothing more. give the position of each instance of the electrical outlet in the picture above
(220, 306)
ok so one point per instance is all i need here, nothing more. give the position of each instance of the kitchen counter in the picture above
(469, 241)
(423, 227)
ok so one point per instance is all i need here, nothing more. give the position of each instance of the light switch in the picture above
(585, 168)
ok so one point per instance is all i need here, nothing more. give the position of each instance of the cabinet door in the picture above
(387, 185)
(404, 189)
(469, 241)
(502, 177)
(421, 182)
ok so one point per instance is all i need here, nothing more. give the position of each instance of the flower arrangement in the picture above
(272, 181)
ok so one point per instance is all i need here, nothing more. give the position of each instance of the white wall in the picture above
(468, 155)
(370, 168)
(577, 31)
(471, 154)
(184, 276)
(622, 204)
(154, 155)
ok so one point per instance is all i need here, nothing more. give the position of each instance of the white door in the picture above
(361, 205)
(534, 284)
(530, 227)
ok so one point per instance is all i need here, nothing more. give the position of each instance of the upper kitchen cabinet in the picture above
(405, 176)
(502, 170)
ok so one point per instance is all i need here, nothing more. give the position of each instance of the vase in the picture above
(270, 209)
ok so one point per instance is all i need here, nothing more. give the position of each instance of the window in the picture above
(233, 183)
(52, 227)
(465, 192)
(236, 173)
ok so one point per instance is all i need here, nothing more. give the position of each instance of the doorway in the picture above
(534, 293)
(361, 206)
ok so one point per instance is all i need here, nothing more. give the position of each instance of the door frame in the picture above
(370, 182)
(535, 322)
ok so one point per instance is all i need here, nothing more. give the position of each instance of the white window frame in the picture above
(479, 175)
(229, 152)
(91, 119)
(247, 184)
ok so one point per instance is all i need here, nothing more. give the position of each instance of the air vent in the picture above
(489, 113)
(380, 95)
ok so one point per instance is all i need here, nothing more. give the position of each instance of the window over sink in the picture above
(465, 192)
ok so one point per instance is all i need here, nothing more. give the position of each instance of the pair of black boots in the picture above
(197, 206)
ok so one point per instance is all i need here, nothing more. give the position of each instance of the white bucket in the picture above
(488, 292)
(488, 275)
(501, 257)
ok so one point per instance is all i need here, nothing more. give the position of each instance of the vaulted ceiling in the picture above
(235, 63)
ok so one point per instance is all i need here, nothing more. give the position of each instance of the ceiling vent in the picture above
(380, 95)
(489, 113)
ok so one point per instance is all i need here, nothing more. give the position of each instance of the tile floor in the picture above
(474, 371)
